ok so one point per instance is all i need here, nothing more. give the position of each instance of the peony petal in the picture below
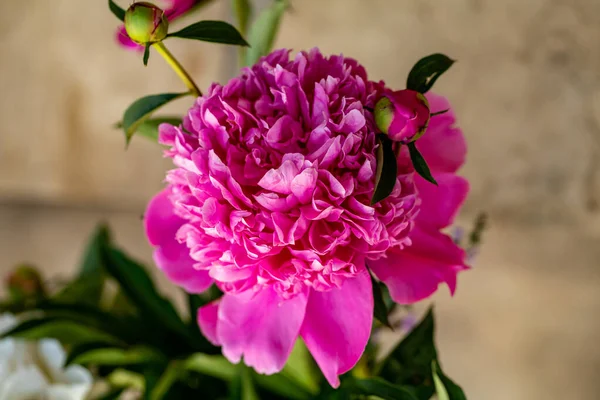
(414, 273)
(442, 202)
(173, 258)
(337, 325)
(261, 326)
(160, 222)
(25, 383)
(207, 321)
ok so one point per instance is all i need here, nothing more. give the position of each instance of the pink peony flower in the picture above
(173, 10)
(270, 200)
(403, 115)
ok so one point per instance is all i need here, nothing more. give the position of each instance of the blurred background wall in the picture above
(524, 323)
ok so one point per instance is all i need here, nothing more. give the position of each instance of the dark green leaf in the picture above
(445, 386)
(410, 362)
(211, 31)
(426, 71)
(115, 357)
(380, 310)
(139, 288)
(116, 10)
(93, 317)
(243, 11)
(387, 169)
(146, 53)
(167, 379)
(149, 128)
(142, 109)
(89, 285)
(378, 387)
(420, 164)
(66, 331)
(264, 30)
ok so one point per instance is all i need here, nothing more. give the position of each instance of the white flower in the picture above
(34, 370)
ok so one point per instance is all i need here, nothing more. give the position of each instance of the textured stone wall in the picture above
(526, 88)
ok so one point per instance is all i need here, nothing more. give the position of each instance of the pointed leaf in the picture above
(216, 366)
(380, 311)
(116, 10)
(387, 169)
(68, 332)
(142, 109)
(445, 388)
(146, 53)
(264, 30)
(167, 379)
(115, 357)
(211, 31)
(426, 71)
(420, 164)
(139, 288)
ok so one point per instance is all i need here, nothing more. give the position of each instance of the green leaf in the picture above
(149, 128)
(445, 388)
(116, 10)
(387, 169)
(215, 366)
(88, 287)
(116, 357)
(377, 387)
(166, 380)
(380, 310)
(93, 317)
(139, 288)
(420, 164)
(146, 54)
(410, 362)
(211, 31)
(143, 108)
(66, 331)
(264, 30)
(83, 348)
(242, 387)
(243, 11)
(426, 71)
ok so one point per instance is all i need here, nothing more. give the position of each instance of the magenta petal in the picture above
(261, 326)
(414, 273)
(442, 202)
(207, 321)
(443, 145)
(337, 325)
(159, 220)
(173, 258)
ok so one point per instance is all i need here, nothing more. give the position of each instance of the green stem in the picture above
(178, 68)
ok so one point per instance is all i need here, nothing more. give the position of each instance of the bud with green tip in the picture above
(402, 115)
(146, 23)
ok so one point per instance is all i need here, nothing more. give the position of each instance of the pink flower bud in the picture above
(403, 115)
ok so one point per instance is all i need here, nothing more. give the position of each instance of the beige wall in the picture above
(523, 324)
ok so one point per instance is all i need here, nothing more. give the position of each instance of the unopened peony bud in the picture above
(25, 282)
(402, 115)
(146, 23)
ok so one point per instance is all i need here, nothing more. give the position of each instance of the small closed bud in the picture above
(402, 115)
(146, 23)
(25, 282)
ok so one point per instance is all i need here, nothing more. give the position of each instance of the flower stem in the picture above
(178, 68)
